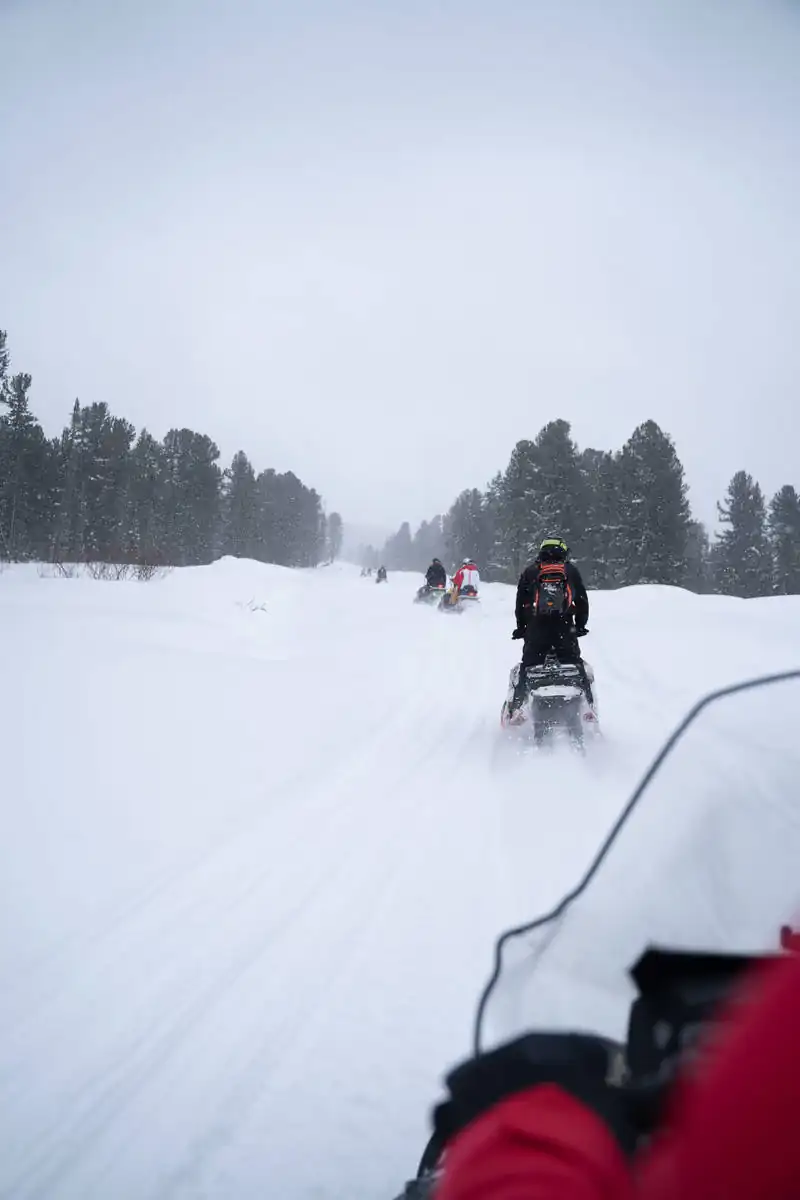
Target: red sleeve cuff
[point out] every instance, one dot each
(541, 1144)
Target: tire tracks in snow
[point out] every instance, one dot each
(134, 1061)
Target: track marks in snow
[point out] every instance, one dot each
(234, 930)
(267, 1002)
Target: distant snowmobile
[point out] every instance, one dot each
(556, 703)
(428, 594)
(381, 575)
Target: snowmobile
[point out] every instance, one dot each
(695, 882)
(451, 601)
(456, 600)
(556, 703)
(429, 594)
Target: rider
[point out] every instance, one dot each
(538, 1118)
(546, 632)
(436, 576)
(381, 575)
(466, 578)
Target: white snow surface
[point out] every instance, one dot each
(257, 843)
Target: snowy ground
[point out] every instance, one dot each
(257, 841)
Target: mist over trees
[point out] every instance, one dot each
(625, 515)
(100, 492)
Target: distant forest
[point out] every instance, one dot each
(625, 515)
(101, 493)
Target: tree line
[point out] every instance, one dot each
(625, 515)
(103, 493)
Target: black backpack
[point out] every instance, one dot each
(552, 596)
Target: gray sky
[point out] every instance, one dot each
(378, 243)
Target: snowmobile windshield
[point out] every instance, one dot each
(705, 858)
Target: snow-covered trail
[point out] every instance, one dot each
(258, 843)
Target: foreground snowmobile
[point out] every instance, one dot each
(429, 594)
(696, 881)
(556, 703)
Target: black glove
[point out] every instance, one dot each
(518, 633)
(581, 631)
(579, 1063)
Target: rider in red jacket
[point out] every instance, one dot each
(536, 1120)
(467, 577)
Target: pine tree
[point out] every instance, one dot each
(556, 491)
(601, 551)
(291, 525)
(5, 361)
(240, 509)
(654, 510)
(107, 525)
(192, 497)
(428, 542)
(517, 526)
(699, 568)
(320, 543)
(147, 501)
(784, 529)
(28, 472)
(335, 536)
(499, 565)
(540, 494)
(469, 529)
(398, 553)
(96, 471)
(742, 555)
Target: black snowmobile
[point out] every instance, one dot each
(556, 703)
(429, 594)
(696, 881)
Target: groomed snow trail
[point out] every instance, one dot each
(258, 840)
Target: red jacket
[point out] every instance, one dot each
(465, 571)
(732, 1133)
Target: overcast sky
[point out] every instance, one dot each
(378, 243)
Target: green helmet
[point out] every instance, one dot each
(553, 549)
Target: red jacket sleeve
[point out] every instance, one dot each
(731, 1133)
(458, 578)
(537, 1145)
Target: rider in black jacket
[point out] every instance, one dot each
(550, 634)
(436, 576)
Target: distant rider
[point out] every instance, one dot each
(466, 579)
(435, 580)
(552, 612)
(436, 576)
(381, 575)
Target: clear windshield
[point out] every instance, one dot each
(709, 859)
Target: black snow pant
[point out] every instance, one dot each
(550, 635)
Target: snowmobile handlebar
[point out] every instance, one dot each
(679, 997)
(680, 994)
